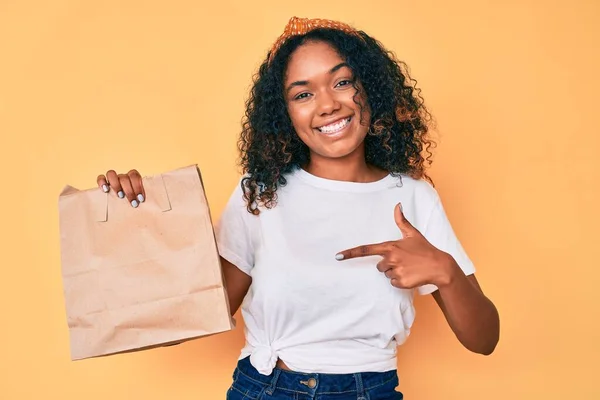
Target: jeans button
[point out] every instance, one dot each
(312, 383)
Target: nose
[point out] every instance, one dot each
(327, 103)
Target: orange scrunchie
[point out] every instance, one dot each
(301, 26)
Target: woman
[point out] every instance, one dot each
(334, 225)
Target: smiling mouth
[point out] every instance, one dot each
(335, 127)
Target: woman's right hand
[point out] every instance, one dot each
(127, 186)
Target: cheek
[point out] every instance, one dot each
(301, 118)
(363, 107)
(366, 119)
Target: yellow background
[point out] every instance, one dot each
(86, 86)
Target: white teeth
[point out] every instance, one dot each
(332, 128)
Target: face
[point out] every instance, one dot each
(320, 100)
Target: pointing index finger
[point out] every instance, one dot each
(378, 249)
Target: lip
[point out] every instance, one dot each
(333, 121)
(339, 133)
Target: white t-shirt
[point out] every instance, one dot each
(316, 313)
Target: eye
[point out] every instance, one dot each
(301, 96)
(344, 82)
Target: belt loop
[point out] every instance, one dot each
(360, 390)
(271, 388)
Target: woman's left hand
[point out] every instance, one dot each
(409, 262)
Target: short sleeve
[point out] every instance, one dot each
(439, 232)
(233, 232)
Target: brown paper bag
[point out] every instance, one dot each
(138, 278)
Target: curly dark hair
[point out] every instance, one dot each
(398, 140)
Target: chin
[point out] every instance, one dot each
(339, 150)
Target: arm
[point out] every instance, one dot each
(413, 261)
(237, 284)
(471, 315)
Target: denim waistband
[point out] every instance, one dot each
(316, 383)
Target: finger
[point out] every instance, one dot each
(378, 249)
(128, 189)
(102, 183)
(115, 184)
(138, 187)
(390, 274)
(405, 227)
(401, 282)
(383, 265)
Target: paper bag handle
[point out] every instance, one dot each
(155, 189)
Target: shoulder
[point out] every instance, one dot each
(237, 192)
(420, 189)
(248, 189)
(237, 203)
(245, 185)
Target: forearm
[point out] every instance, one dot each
(471, 315)
(237, 284)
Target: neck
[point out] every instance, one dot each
(351, 168)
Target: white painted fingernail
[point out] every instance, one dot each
(105, 188)
(134, 203)
(140, 197)
(121, 194)
(339, 256)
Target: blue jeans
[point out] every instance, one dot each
(249, 384)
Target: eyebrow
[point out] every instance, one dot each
(304, 83)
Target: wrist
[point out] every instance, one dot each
(448, 271)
